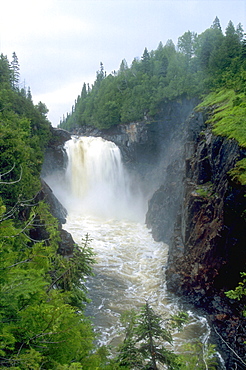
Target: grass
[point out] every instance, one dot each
(229, 114)
(205, 190)
(238, 173)
(228, 119)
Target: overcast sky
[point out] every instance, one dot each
(60, 43)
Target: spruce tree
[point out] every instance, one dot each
(147, 336)
(15, 68)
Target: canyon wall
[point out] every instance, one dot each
(207, 246)
(194, 206)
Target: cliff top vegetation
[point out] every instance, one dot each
(198, 65)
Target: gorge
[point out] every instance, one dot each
(148, 170)
(181, 167)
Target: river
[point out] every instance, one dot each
(104, 202)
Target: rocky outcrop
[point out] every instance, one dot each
(165, 203)
(56, 208)
(207, 250)
(66, 244)
(211, 228)
(145, 139)
(55, 158)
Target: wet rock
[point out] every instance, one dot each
(56, 208)
(207, 246)
(66, 244)
(55, 158)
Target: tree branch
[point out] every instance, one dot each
(240, 359)
(11, 182)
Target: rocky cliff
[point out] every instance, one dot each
(55, 160)
(207, 249)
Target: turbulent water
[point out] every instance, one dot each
(102, 201)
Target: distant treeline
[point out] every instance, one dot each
(199, 64)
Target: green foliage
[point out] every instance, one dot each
(238, 173)
(148, 338)
(200, 63)
(239, 292)
(147, 343)
(205, 190)
(24, 133)
(42, 294)
(145, 335)
(197, 356)
(19, 162)
(70, 274)
(38, 323)
(228, 118)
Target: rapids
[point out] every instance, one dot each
(103, 201)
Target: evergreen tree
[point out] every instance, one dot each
(216, 24)
(232, 41)
(84, 91)
(243, 50)
(29, 94)
(100, 75)
(186, 43)
(207, 46)
(240, 32)
(145, 61)
(5, 72)
(15, 69)
(123, 66)
(146, 333)
(202, 62)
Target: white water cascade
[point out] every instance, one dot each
(97, 181)
(102, 201)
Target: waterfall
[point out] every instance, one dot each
(97, 182)
(104, 201)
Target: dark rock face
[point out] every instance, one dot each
(164, 206)
(66, 245)
(56, 208)
(210, 226)
(207, 251)
(55, 158)
(144, 140)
